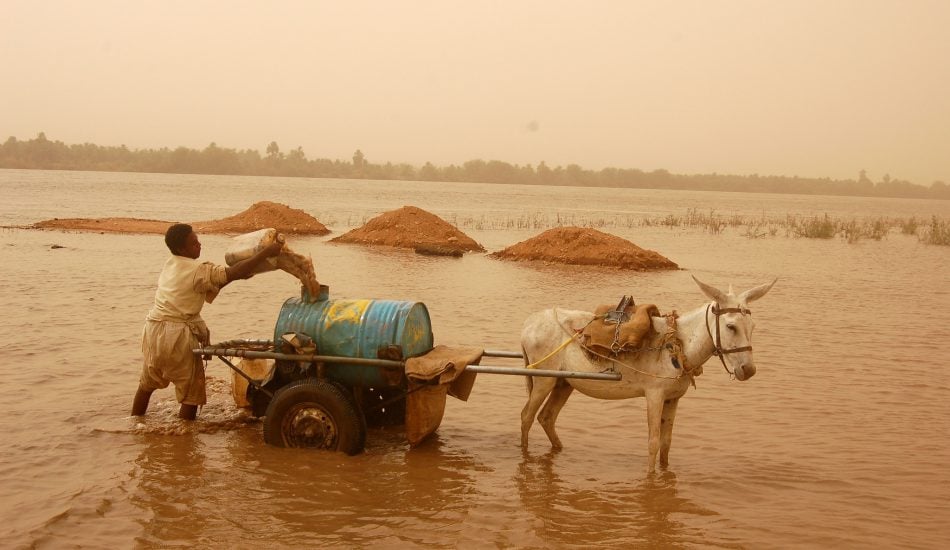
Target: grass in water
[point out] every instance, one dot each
(938, 232)
(815, 228)
(909, 226)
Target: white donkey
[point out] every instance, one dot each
(722, 328)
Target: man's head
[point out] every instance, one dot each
(182, 241)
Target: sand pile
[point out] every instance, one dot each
(411, 227)
(104, 225)
(262, 214)
(581, 246)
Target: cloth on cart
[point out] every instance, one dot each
(431, 377)
(446, 365)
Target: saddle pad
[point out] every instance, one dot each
(631, 334)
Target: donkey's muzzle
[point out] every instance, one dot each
(744, 372)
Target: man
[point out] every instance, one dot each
(174, 327)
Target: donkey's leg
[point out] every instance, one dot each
(666, 429)
(540, 388)
(654, 417)
(554, 404)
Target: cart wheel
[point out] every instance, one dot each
(315, 414)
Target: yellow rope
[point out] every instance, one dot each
(553, 353)
(634, 369)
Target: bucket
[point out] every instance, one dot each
(359, 328)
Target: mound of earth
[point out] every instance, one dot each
(262, 214)
(411, 227)
(104, 225)
(582, 246)
(281, 217)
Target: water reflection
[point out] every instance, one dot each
(390, 492)
(641, 513)
(171, 471)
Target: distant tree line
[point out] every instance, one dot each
(42, 154)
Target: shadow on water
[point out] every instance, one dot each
(647, 512)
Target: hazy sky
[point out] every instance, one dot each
(795, 87)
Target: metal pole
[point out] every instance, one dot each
(234, 352)
(509, 354)
(487, 369)
(243, 342)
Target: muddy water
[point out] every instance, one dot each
(839, 440)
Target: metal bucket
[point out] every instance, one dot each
(359, 328)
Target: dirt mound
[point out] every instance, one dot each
(411, 227)
(105, 225)
(281, 217)
(285, 219)
(581, 246)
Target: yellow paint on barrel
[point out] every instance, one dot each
(346, 311)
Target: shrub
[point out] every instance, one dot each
(938, 232)
(815, 228)
(909, 226)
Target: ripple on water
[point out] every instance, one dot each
(837, 441)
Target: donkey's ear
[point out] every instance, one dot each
(754, 294)
(710, 291)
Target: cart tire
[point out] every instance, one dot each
(314, 414)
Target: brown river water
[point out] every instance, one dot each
(840, 440)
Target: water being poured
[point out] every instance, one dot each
(247, 245)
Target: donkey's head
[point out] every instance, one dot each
(729, 325)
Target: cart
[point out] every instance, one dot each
(336, 367)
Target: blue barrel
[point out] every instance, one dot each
(359, 328)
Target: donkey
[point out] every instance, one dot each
(722, 328)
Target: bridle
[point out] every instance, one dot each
(717, 341)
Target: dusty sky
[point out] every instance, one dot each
(806, 87)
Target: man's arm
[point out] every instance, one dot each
(245, 268)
